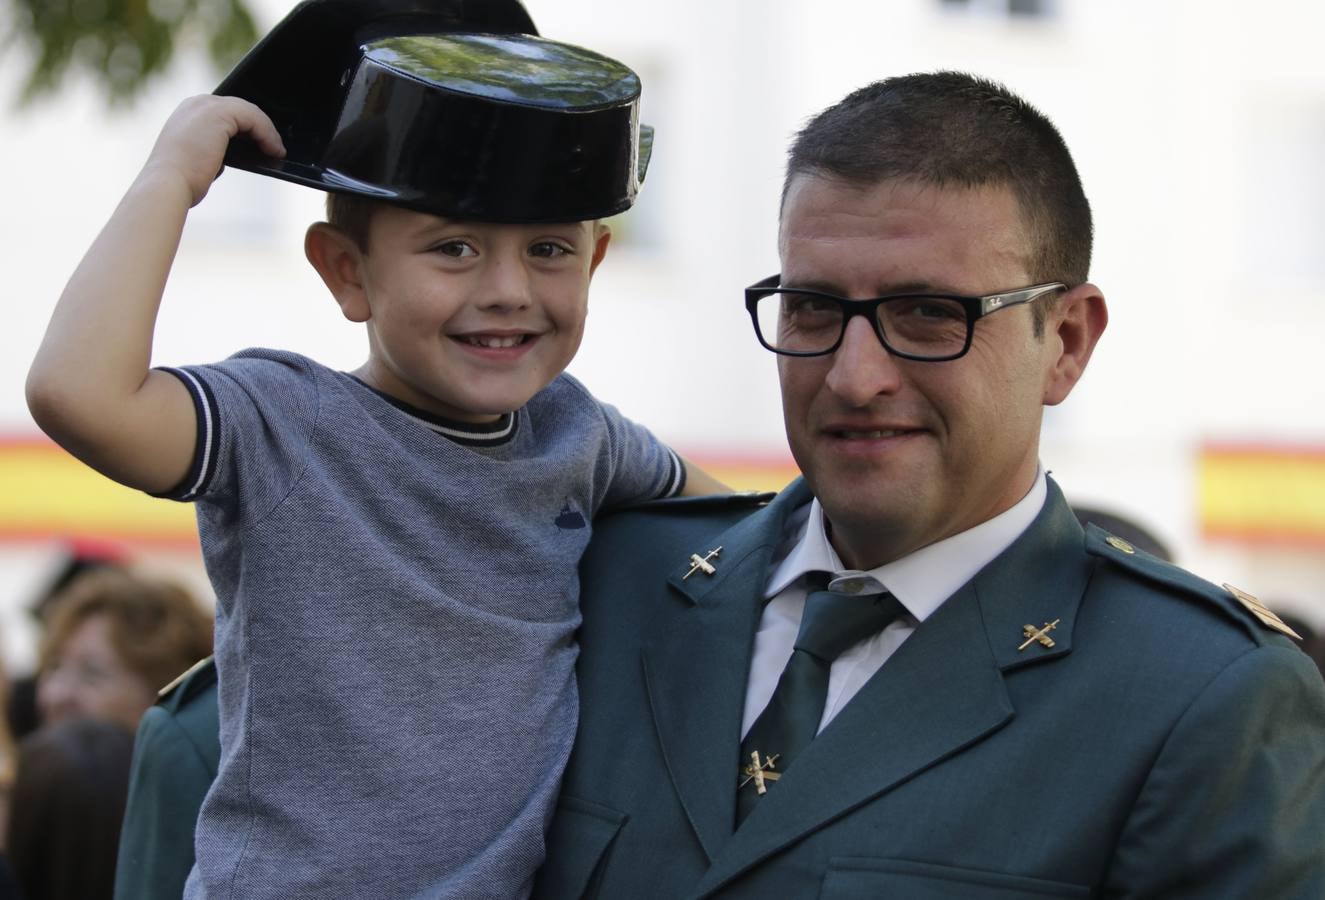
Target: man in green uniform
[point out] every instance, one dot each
(913, 674)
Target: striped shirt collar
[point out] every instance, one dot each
(474, 434)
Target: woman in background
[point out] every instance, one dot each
(114, 639)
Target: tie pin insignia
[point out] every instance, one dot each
(1040, 634)
(702, 565)
(759, 771)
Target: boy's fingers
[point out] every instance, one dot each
(263, 133)
(272, 145)
(254, 123)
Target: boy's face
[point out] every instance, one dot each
(468, 320)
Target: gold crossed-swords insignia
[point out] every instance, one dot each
(1040, 634)
(759, 771)
(702, 565)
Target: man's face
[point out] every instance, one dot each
(470, 319)
(902, 453)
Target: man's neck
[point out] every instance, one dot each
(921, 579)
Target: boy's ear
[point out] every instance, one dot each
(339, 261)
(602, 236)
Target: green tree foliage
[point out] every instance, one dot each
(122, 44)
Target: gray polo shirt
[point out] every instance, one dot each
(396, 612)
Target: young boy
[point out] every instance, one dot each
(393, 550)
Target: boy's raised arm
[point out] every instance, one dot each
(91, 387)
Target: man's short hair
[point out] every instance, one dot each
(950, 129)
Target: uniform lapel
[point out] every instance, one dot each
(940, 693)
(1040, 580)
(697, 663)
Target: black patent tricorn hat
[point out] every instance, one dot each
(454, 107)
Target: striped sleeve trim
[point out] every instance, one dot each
(676, 481)
(207, 443)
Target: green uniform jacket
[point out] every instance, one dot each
(174, 762)
(1167, 745)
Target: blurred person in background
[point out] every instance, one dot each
(175, 757)
(75, 558)
(7, 752)
(68, 801)
(8, 764)
(114, 638)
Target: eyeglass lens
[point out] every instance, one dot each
(918, 325)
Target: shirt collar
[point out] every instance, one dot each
(472, 434)
(922, 580)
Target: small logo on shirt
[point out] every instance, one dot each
(569, 518)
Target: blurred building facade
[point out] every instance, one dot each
(1198, 127)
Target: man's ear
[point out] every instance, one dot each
(602, 236)
(340, 262)
(1072, 329)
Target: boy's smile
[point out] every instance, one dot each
(497, 342)
(467, 320)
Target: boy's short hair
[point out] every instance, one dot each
(351, 214)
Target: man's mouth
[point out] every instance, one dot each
(870, 434)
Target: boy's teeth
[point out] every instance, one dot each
(495, 342)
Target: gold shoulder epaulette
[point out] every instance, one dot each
(1261, 611)
(179, 679)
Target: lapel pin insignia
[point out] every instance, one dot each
(759, 771)
(1040, 634)
(702, 565)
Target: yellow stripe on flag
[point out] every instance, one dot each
(45, 492)
(1263, 495)
(748, 473)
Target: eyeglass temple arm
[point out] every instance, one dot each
(1010, 298)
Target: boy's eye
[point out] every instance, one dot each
(456, 249)
(549, 249)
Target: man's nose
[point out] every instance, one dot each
(862, 367)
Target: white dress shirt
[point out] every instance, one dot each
(920, 581)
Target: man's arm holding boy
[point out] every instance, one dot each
(91, 387)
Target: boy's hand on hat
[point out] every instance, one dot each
(194, 139)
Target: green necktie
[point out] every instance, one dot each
(831, 623)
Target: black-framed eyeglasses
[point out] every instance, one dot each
(925, 327)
